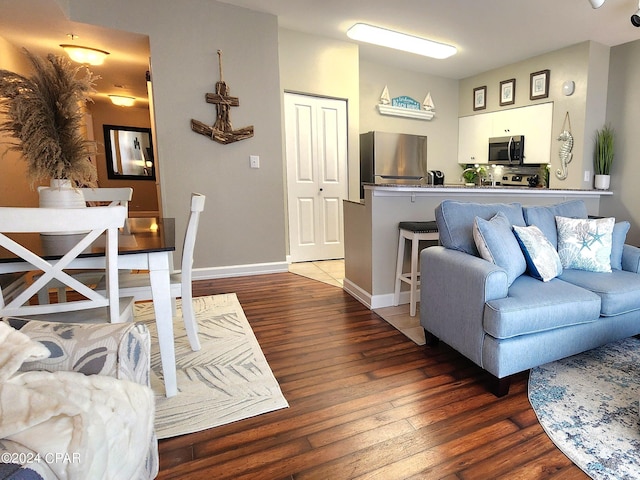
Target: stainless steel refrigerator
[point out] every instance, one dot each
(392, 158)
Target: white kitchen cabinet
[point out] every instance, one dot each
(473, 135)
(537, 141)
(534, 122)
(508, 122)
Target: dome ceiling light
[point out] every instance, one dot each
(86, 55)
(122, 101)
(635, 17)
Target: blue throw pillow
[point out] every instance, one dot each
(455, 221)
(542, 259)
(545, 217)
(585, 244)
(495, 242)
(619, 236)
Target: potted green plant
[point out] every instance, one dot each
(473, 174)
(603, 157)
(44, 113)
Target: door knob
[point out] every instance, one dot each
(321, 189)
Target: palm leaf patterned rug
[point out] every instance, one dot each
(227, 380)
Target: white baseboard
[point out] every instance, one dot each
(239, 270)
(372, 301)
(356, 292)
(381, 301)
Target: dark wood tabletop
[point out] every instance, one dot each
(146, 235)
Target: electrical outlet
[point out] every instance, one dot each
(587, 175)
(254, 161)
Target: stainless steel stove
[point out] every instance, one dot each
(520, 177)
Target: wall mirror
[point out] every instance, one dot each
(129, 153)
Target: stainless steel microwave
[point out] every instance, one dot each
(506, 150)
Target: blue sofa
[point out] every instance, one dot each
(508, 322)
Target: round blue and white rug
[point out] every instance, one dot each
(588, 405)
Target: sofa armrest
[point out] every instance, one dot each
(119, 350)
(454, 287)
(631, 258)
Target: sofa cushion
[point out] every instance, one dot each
(585, 244)
(496, 243)
(618, 238)
(542, 259)
(618, 290)
(533, 306)
(545, 217)
(455, 221)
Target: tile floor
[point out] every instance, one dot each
(327, 271)
(332, 272)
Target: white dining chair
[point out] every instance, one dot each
(50, 255)
(112, 196)
(94, 197)
(138, 285)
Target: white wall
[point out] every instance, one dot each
(326, 67)
(243, 221)
(441, 131)
(624, 115)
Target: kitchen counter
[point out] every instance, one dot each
(477, 189)
(371, 226)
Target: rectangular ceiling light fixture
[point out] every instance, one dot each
(400, 41)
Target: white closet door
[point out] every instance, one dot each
(316, 151)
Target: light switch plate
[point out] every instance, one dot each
(254, 161)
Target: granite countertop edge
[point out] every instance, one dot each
(497, 188)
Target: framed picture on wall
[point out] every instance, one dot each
(508, 92)
(539, 85)
(480, 98)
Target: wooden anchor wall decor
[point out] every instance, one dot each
(222, 131)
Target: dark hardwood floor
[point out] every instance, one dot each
(365, 402)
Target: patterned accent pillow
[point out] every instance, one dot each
(585, 244)
(120, 350)
(495, 241)
(542, 259)
(13, 471)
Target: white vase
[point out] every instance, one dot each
(60, 194)
(601, 182)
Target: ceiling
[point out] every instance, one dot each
(40, 26)
(487, 33)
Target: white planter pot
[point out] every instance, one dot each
(601, 182)
(60, 194)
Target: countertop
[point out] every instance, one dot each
(485, 189)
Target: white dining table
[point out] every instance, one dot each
(148, 245)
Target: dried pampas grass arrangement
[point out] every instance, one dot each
(44, 112)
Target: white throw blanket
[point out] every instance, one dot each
(75, 426)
